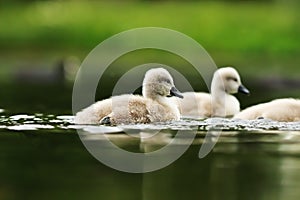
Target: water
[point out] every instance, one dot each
(43, 158)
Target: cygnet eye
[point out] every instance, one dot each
(166, 80)
(232, 78)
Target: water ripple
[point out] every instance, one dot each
(42, 121)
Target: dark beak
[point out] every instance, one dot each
(175, 92)
(243, 89)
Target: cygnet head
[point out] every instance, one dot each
(228, 79)
(159, 83)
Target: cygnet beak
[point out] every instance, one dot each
(243, 89)
(175, 92)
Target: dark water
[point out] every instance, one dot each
(42, 156)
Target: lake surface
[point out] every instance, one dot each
(43, 157)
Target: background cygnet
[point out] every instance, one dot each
(153, 106)
(220, 103)
(283, 110)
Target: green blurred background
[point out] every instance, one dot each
(42, 43)
(260, 38)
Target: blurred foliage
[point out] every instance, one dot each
(260, 36)
(247, 27)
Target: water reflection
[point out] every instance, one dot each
(245, 165)
(231, 171)
(289, 183)
(44, 158)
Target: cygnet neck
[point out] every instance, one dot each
(218, 90)
(153, 96)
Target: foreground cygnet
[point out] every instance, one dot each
(283, 110)
(220, 103)
(153, 106)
